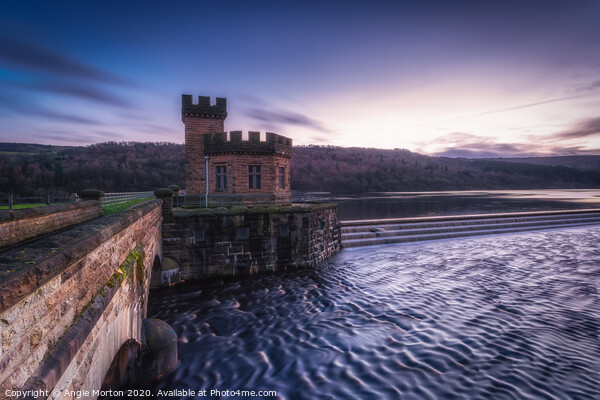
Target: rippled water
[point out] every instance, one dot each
(497, 317)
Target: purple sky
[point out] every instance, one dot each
(458, 78)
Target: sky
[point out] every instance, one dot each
(448, 78)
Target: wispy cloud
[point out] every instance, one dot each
(285, 117)
(519, 107)
(64, 117)
(587, 128)
(592, 86)
(77, 137)
(72, 89)
(15, 104)
(156, 129)
(23, 54)
(460, 144)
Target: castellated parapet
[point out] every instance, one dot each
(274, 145)
(203, 108)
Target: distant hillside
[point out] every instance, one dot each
(113, 167)
(31, 169)
(584, 163)
(356, 170)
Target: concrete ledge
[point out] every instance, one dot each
(240, 210)
(20, 225)
(24, 270)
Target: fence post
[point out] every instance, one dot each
(10, 201)
(48, 200)
(166, 195)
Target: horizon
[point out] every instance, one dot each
(133, 142)
(459, 80)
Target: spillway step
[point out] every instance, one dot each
(410, 224)
(377, 232)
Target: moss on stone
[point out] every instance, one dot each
(239, 210)
(221, 211)
(258, 210)
(169, 264)
(139, 268)
(91, 194)
(163, 192)
(219, 273)
(322, 206)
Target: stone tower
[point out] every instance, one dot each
(239, 171)
(199, 119)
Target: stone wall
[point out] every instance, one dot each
(19, 225)
(47, 286)
(242, 241)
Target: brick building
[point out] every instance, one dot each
(239, 171)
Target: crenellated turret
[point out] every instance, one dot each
(203, 109)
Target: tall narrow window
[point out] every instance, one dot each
(221, 177)
(281, 177)
(254, 177)
(244, 232)
(199, 235)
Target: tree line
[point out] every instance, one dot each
(28, 170)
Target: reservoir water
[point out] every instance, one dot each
(513, 316)
(426, 204)
(498, 317)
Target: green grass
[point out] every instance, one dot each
(266, 209)
(19, 206)
(115, 208)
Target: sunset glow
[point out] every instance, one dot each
(464, 78)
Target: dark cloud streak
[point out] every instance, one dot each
(590, 127)
(85, 92)
(62, 117)
(28, 109)
(23, 54)
(466, 145)
(285, 117)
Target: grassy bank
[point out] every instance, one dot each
(20, 206)
(117, 207)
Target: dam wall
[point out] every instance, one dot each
(237, 241)
(69, 300)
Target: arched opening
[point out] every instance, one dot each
(122, 368)
(156, 272)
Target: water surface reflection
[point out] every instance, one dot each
(421, 204)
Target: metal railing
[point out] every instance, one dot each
(12, 201)
(214, 200)
(113, 198)
(311, 197)
(228, 200)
